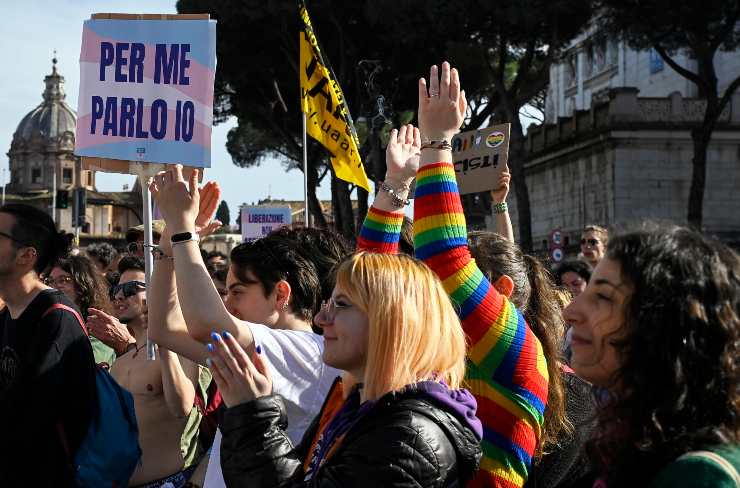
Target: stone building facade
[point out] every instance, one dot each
(593, 64)
(626, 160)
(42, 160)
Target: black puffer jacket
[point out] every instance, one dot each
(404, 440)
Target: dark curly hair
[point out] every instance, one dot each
(91, 287)
(102, 253)
(326, 249)
(679, 381)
(535, 296)
(580, 268)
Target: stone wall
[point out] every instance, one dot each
(629, 160)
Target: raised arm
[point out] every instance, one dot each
(507, 371)
(202, 307)
(500, 210)
(382, 226)
(166, 322)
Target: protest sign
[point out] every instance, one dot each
(480, 156)
(146, 90)
(258, 221)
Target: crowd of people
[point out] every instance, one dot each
(423, 356)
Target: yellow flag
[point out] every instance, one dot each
(327, 117)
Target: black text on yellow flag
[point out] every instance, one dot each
(327, 117)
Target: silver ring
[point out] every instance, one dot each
(431, 95)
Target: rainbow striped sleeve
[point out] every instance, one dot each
(507, 371)
(380, 231)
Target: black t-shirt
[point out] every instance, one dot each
(47, 379)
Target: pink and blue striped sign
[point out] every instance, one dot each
(146, 90)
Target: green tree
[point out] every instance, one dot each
(504, 51)
(223, 214)
(378, 51)
(701, 29)
(518, 41)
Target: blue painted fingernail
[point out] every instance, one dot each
(226, 335)
(209, 363)
(210, 347)
(215, 336)
(258, 349)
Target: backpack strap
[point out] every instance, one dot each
(60, 426)
(723, 463)
(61, 306)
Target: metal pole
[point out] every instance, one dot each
(54, 197)
(4, 186)
(305, 173)
(151, 351)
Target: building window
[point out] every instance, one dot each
(656, 62)
(599, 56)
(67, 176)
(571, 70)
(588, 63)
(36, 175)
(613, 53)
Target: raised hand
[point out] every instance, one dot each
(402, 154)
(442, 105)
(499, 194)
(178, 201)
(239, 379)
(210, 197)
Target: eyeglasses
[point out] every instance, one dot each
(8, 236)
(330, 307)
(590, 242)
(57, 282)
(129, 289)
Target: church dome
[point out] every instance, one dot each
(51, 123)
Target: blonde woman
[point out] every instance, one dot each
(390, 326)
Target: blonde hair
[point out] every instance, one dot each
(414, 333)
(599, 231)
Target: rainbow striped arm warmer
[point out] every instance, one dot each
(507, 371)
(380, 231)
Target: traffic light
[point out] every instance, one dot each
(80, 205)
(62, 199)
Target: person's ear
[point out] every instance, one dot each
(26, 256)
(282, 295)
(504, 285)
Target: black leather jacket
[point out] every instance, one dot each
(403, 441)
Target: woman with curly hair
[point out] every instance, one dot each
(78, 278)
(659, 327)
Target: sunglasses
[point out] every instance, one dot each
(590, 242)
(129, 289)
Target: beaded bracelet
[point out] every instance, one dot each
(398, 202)
(500, 208)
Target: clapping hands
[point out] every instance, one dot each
(239, 378)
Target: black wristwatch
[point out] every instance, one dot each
(184, 237)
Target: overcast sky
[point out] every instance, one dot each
(30, 33)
